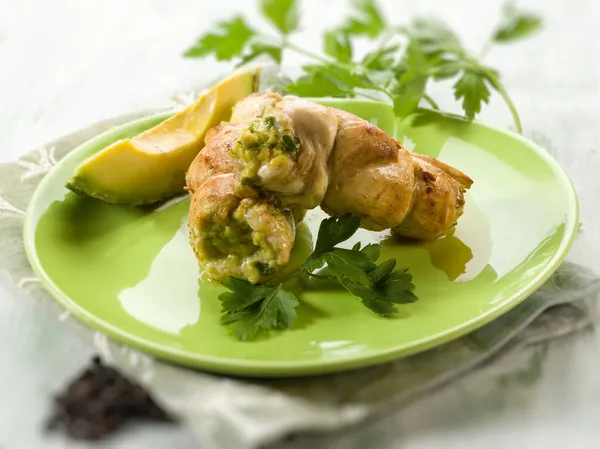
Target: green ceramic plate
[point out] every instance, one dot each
(130, 273)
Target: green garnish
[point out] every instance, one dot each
(227, 41)
(398, 68)
(252, 310)
(379, 286)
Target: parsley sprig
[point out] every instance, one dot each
(254, 310)
(403, 61)
(380, 286)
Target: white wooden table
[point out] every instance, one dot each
(67, 63)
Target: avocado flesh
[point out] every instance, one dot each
(151, 166)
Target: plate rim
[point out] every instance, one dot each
(250, 368)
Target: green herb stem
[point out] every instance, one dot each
(386, 36)
(511, 106)
(309, 54)
(370, 97)
(431, 101)
(486, 49)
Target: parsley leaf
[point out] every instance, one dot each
(258, 48)
(446, 68)
(328, 80)
(433, 36)
(379, 286)
(343, 264)
(282, 13)
(382, 271)
(228, 41)
(380, 59)
(334, 230)
(411, 80)
(516, 24)
(318, 84)
(408, 94)
(372, 251)
(393, 287)
(253, 310)
(472, 89)
(337, 45)
(366, 21)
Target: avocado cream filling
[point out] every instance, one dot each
(267, 142)
(234, 248)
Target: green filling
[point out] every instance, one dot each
(266, 141)
(235, 247)
(264, 268)
(232, 238)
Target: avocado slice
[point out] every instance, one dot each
(151, 166)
